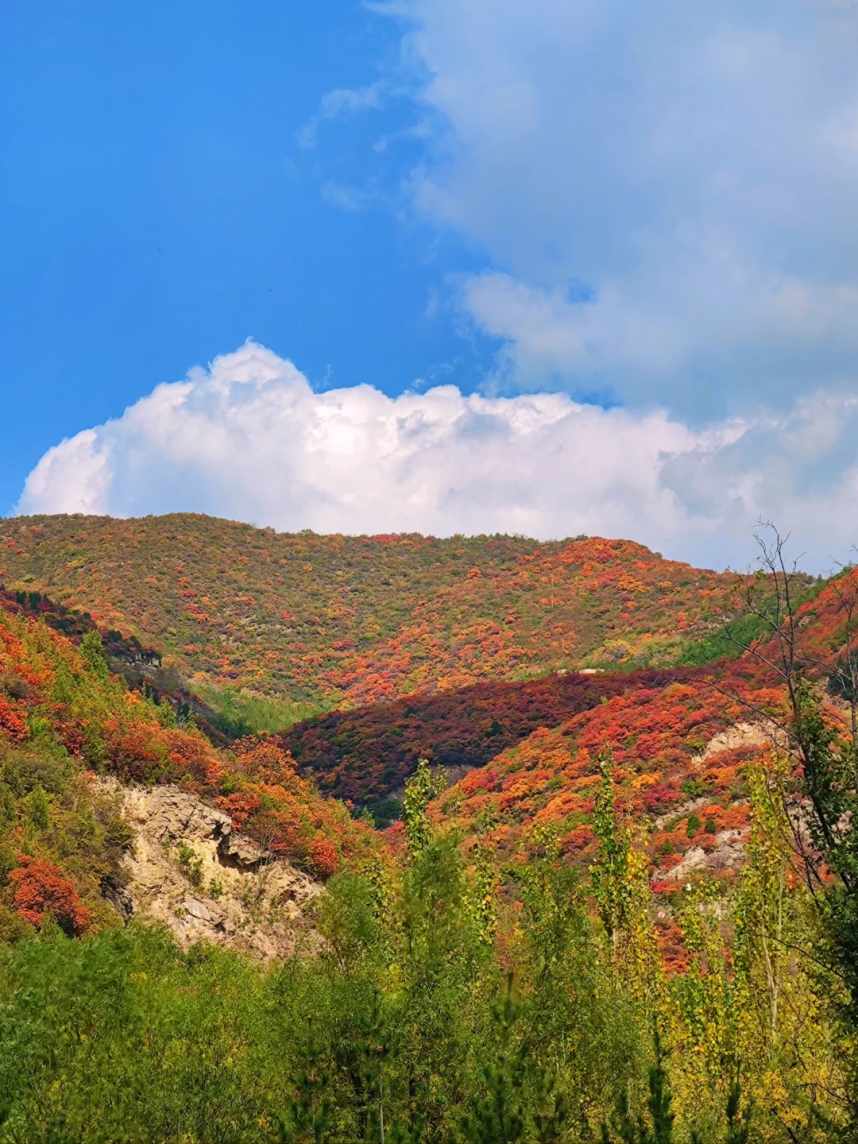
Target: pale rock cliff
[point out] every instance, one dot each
(189, 869)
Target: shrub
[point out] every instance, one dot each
(40, 888)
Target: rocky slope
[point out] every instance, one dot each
(189, 869)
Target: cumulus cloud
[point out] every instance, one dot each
(249, 438)
(693, 166)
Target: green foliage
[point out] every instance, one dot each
(420, 789)
(738, 1122)
(727, 640)
(497, 1114)
(610, 873)
(12, 926)
(693, 787)
(92, 650)
(384, 813)
(190, 863)
(38, 811)
(657, 1127)
(237, 712)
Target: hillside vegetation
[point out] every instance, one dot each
(632, 920)
(327, 620)
(366, 753)
(65, 719)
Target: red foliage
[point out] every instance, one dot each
(11, 721)
(324, 857)
(660, 733)
(101, 722)
(239, 807)
(661, 796)
(366, 618)
(136, 750)
(366, 753)
(40, 888)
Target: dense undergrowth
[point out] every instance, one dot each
(452, 1002)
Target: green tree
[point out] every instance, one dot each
(420, 789)
(38, 809)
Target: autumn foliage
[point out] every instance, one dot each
(338, 619)
(365, 753)
(39, 889)
(58, 702)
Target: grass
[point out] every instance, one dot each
(240, 712)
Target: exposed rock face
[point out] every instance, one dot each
(729, 854)
(729, 851)
(739, 735)
(190, 870)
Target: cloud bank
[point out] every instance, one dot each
(250, 439)
(664, 193)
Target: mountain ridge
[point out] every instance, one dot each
(342, 621)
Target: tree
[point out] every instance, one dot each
(818, 790)
(657, 1128)
(497, 1115)
(420, 789)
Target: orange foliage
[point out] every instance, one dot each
(40, 888)
(100, 723)
(357, 619)
(658, 735)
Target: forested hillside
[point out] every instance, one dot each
(366, 753)
(63, 718)
(339, 619)
(631, 919)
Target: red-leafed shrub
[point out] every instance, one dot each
(135, 753)
(10, 721)
(40, 888)
(193, 755)
(324, 857)
(239, 806)
(662, 795)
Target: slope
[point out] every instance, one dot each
(680, 747)
(346, 620)
(366, 753)
(64, 718)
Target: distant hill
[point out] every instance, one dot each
(325, 621)
(680, 742)
(366, 754)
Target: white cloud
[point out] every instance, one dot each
(342, 103)
(248, 438)
(695, 165)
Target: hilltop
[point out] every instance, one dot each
(327, 621)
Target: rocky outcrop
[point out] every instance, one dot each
(738, 735)
(728, 854)
(189, 869)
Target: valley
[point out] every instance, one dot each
(404, 788)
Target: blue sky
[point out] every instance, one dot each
(621, 240)
(157, 210)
